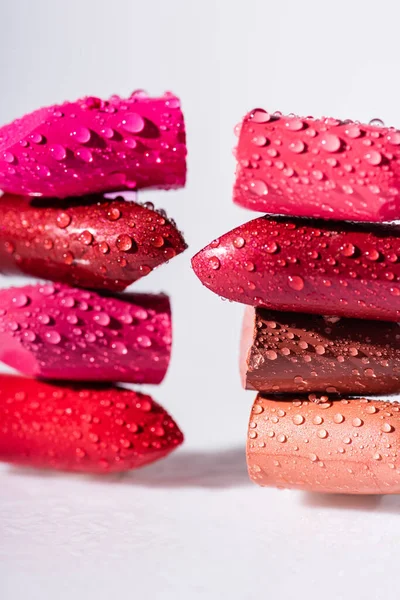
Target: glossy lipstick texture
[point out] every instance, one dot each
(92, 146)
(88, 242)
(53, 331)
(302, 265)
(348, 446)
(296, 353)
(318, 168)
(83, 428)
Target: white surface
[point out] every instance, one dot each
(193, 526)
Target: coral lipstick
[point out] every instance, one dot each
(350, 446)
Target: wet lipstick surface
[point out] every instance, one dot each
(301, 265)
(56, 223)
(89, 242)
(348, 446)
(318, 168)
(60, 332)
(81, 427)
(293, 353)
(93, 145)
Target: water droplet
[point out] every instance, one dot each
(271, 247)
(107, 132)
(357, 422)
(318, 175)
(317, 420)
(298, 419)
(144, 270)
(214, 262)
(373, 157)
(48, 244)
(281, 438)
(81, 135)
(394, 138)
(372, 254)
(113, 213)
(353, 131)
(271, 355)
(119, 348)
(144, 341)
(347, 189)
(58, 152)
(386, 428)
(86, 238)
(377, 456)
(376, 123)
(68, 302)
(313, 457)
(68, 258)
(296, 282)
(258, 115)
(157, 242)
(239, 242)
(259, 140)
(347, 250)
(104, 247)
(29, 336)
(338, 418)
(8, 157)
(36, 138)
(44, 319)
(47, 290)
(84, 154)
(330, 142)
(259, 187)
(63, 220)
(133, 123)
(294, 124)
(20, 300)
(249, 266)
(319, 349)
(53, 337)
(102, 319)
(297, 147)
(124, 242)
(73, 319)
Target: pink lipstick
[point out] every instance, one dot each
(93, 146)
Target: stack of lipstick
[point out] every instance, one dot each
(322, 328)
(55, 165)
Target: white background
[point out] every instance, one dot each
(194, 526)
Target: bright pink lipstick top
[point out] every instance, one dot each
(318, 168)
(94, 145)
